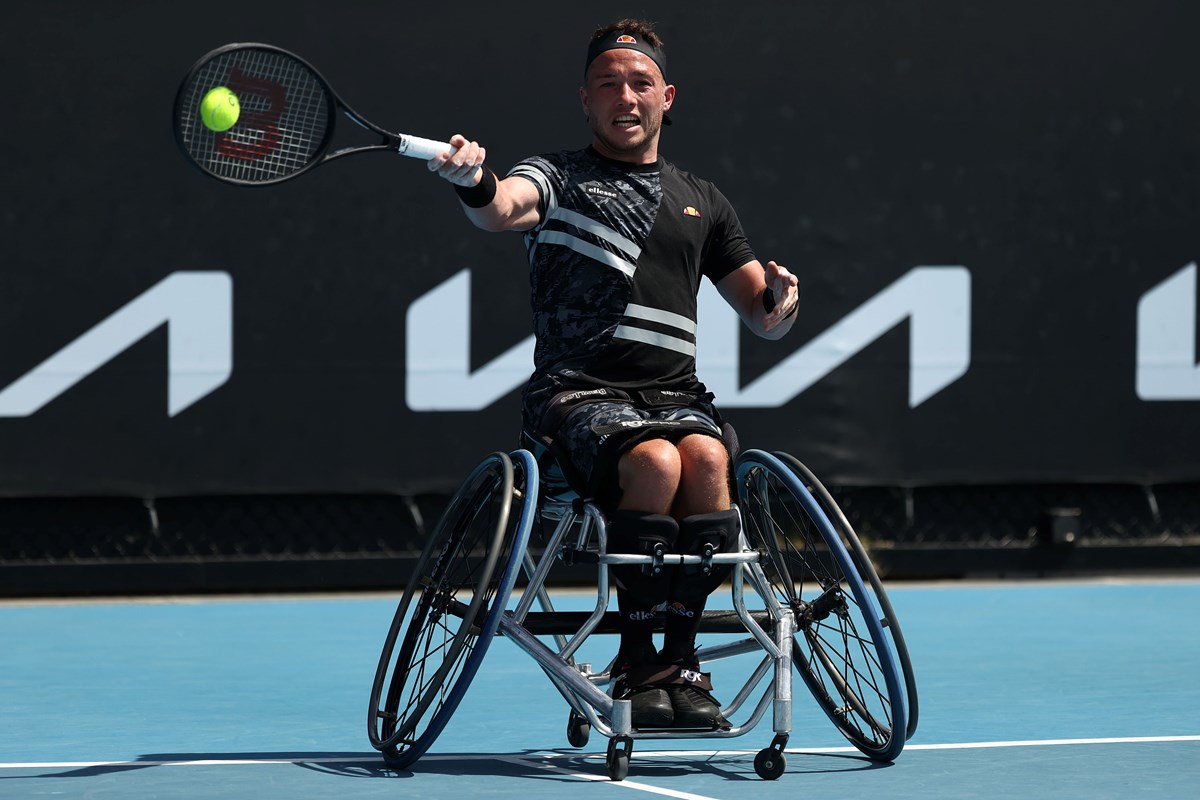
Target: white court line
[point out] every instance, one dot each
(530, 761)
(539, 759)
(943, 746)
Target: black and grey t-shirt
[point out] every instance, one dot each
(615, 267)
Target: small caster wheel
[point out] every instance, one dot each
(769, 763)
(618, 757)
(578, 730)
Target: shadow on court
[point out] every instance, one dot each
(568, 766)
(555, 766)
(366, 762)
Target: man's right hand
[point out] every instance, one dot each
(461, 165)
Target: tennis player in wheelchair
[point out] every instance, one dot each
(618, 240)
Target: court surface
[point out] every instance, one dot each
(1029, 690)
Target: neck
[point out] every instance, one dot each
(645, 154)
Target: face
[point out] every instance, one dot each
(624, 98)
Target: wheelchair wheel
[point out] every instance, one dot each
(451, 607)
(863, 562)
(840, 649)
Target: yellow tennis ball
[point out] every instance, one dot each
(219, 109)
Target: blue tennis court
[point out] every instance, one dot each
(1028, 689)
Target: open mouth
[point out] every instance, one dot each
(627, 121)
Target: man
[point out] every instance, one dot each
(618, 241)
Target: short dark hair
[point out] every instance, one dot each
(633, 34)
(644, 29)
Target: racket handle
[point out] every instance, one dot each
(424, 149)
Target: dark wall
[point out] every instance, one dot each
(1044, 156)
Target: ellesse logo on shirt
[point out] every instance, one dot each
(598, 190)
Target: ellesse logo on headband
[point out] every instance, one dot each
(625, 38)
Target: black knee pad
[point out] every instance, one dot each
(716, 532)
(639, 533)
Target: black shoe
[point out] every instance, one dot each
(649, 706)
(696, 708)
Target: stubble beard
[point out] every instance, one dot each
(639, 146)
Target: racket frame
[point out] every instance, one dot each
(400, 143)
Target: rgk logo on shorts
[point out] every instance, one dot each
(691, 675)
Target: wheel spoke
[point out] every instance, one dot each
(839, 648)
(462, 579)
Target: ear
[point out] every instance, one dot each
(668, 97)
(583, 101)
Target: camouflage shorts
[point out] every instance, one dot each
(595, 435)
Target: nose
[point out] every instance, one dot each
(627, 93)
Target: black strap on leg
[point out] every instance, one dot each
(639, 533)
(705, 535)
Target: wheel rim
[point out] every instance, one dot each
(859, 554)
(840, 650)
(456, 584)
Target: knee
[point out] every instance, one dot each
(651, 463)
(703, 455)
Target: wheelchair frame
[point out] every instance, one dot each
(825, 614)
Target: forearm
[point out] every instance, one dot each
(766, 298)
(492, 204)
(771, 319)
(478, 200)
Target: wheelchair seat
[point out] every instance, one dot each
(558, 483)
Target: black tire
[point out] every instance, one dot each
(769, 763)
(451, 608)
(619, 749)
(578, 729)
(863, 561)
(840, 648)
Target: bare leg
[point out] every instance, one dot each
(649, 475)
(704, 476)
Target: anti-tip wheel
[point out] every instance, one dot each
(578, 730)
(769, 763)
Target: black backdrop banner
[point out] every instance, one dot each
(992, 208)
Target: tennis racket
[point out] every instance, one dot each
(286, 122)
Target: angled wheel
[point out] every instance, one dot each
(578, 729)
(840, 649)
(451, 607)
(863, 562)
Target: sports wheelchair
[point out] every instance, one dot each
(825, 613)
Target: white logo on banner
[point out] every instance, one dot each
(935, 300)
(1166, 340)
(196, 307)
(437, 357)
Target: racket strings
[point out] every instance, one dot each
(284, 121)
